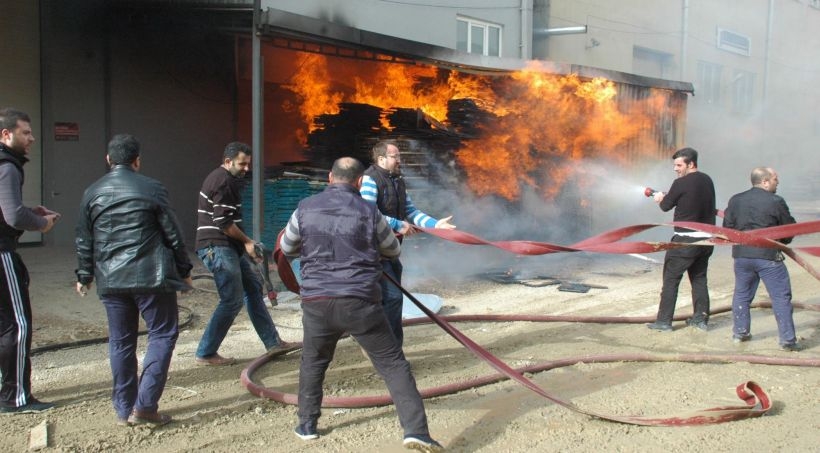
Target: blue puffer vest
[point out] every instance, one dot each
(340, 256)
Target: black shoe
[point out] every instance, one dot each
(33, 406)
(740, 338)
(422, 442)
(699, 324)
(661, 326)
(791, 347)
(306, 431)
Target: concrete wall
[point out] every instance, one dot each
(162, 79)
(417, 22)
(20, 88)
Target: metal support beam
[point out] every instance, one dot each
(258, 158)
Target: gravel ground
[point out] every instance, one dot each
(214, 412)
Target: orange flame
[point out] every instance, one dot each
(545, 123)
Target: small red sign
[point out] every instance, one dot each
(66, 131)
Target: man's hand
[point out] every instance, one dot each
(44, 211)
(658, 197)
(250, 248)
(408, 229)
(82, 290)
(190, 282)
(50, 219)
(445, 224)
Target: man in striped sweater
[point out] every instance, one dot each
(227, 252)
(384, 186)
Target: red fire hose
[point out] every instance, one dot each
(757, 401)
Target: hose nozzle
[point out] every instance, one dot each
(650, 192)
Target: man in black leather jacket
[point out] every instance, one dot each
(753, 209)
(129, 241)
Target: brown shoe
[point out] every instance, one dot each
(215, 360)
(150, 418)
(283, 346)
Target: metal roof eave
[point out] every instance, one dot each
(283, 23)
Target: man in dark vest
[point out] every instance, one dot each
(340, 239)
(384, 186)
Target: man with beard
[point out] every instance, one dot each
(16, 139)
(227, 252)
(384, 186)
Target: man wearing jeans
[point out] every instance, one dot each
(340, 238)
(129, 241)
(383, 185)
(227, 252)
(753, 209)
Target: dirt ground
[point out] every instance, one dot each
(214, 412)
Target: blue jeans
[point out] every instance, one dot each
(236, 282)
(392, 298)
(162, 320)
(748, 273)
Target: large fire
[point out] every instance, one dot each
(543, 125)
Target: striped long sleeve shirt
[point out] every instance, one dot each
(370, 192)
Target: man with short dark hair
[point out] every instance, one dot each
(16, 139)
(383, 185)
(340, 238)
(129, 241)
(753, 209)
(693, 196)
(227, 252)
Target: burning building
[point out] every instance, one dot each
(530, 127)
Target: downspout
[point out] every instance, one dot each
(526, 32)
(684, 33)
(258, 164)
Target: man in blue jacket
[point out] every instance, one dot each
(129, 241)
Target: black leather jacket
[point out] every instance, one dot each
(128, 237)
(754, 209)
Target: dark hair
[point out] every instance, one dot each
(380, 149)
(347, 169)
(688, 155)
(9, 118)
(233, 149)
(123, 149)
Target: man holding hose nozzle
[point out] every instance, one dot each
(226, 251)
(340, 238)
(693, 196)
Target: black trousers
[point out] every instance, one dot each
(15, 331)
(694, 261)
(324, 322)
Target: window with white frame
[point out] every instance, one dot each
(708, 82)
(475, 36)
(743, 90)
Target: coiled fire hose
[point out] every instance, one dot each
(756, 400)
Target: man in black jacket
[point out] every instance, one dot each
(693, 196)
(753, 209)
(129, 240)
(15, 306)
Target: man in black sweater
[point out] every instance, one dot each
(693, 196)
(753, 209)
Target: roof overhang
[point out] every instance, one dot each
(278, 23)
